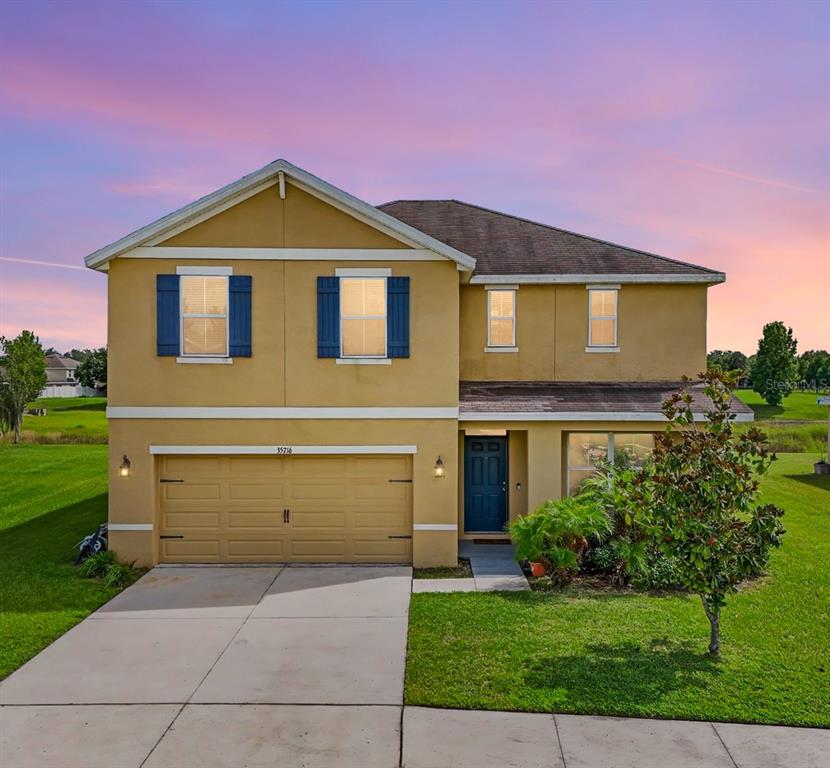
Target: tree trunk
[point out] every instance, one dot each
(714, 627)
(17, 419)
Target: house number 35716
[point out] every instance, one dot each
(284, 450)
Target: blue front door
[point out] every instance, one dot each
(485, 484)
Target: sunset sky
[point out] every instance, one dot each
(699, 131)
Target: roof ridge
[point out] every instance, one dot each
(556, 229)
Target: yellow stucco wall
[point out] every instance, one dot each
(284, 369)
(661, 333)
(267, 221)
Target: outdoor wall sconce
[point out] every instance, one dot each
(124, 469)
(439, 467)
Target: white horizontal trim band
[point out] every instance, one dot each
(242, 412)
(279, 450)
(204, 271)
(501, 349)
(363, 272)
(130, 526)
(577, 416)
(602, 349)
(363, 361)
(507, 287)
(435, 527)
(579, 279)
(206, 360)
(283, 254)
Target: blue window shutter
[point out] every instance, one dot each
(328, 317)
(167, 315)
(239, 315)
(397, 317)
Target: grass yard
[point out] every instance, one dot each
(51, 496)
(626, 653)
(797, 406)
(67, 420)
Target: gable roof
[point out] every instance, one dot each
(508, 247)
(254, 182)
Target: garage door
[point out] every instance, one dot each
(285, 509)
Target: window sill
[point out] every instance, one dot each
(205, 360)
(363, 361)
(602, 349)
(501, 349)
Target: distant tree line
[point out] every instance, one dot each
(776, 368)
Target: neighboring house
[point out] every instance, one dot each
(60, 378)
(295, 375)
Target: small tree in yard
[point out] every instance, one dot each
(92, 372)
(702, 498)
(23, 377)
(775, 367)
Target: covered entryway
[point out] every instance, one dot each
(352, 509)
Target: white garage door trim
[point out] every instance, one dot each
(279, 450)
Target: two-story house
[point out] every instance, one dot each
(296, 375)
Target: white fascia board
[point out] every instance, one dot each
(178, 253)
(279, 450)
(577, 416)
(261, 179)
(582, 279)
(243, 412)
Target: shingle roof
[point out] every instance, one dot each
(509, 245)
(578, 397)
(59, 361)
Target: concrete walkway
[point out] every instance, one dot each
(303, 666)
(494, 569)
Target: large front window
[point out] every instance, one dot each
(363, 316)
(588, 450)
(204, 315)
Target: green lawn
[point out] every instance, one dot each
(68, 420)
(624, 653)
(797, 406)
(51, 496)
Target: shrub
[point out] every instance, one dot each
(119, 575)
(97, 565)
(660, 572)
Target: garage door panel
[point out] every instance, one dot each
(272, 491)
(319, 549)
(192, 490)
(386, 550)
(256, 549)
(191, 519)
(309, 519)
(194, 550)
(192, 465)
(255, 519)
(232, 509)
(307, 490)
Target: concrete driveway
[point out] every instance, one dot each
(303, 666)
(221, 667)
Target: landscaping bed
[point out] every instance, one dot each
(51, 496)
(461, 571)
(585, 650)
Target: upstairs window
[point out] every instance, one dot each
(602, 317)
(363, 316)
(501, 318)
(204, 315)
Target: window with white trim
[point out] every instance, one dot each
(602, 317)
(501, 318)
(204, 315)
(589, 450)
(363, 317)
